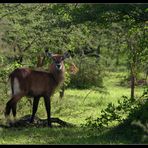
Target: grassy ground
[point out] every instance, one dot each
(75, 107)
(63, 136)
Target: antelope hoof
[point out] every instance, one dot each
(31, 120)
(49, 125)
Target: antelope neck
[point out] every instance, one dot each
(56, 76)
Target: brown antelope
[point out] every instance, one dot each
(36, 84)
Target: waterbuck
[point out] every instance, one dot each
(36, 84)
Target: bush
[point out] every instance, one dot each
(89, 74)
(127, 111)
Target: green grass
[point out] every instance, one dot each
(61, 136)
(75, 107)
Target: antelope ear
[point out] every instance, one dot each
(67, 54)
(49, 54)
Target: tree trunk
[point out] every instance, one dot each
(133, 76)
(132, 86)
(133, 57)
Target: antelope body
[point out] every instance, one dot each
(36, 84)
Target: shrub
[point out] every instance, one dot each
(127, 111)
(89, 74)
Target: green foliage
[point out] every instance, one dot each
(80, 28)
(89, 73)
(103, 38)
(139, 113)
(126, 111)
(5, 71)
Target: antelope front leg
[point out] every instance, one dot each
(35, 107)
(48, 109)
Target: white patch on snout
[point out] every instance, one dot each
(59, 68)
(16, 86)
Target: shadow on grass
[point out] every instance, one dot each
(77, 135)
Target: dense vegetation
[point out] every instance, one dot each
(108, 44)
